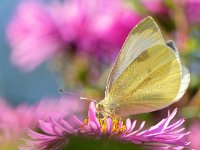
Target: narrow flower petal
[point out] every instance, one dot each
(34, 135)
(109, 125)
(46, 127)
(92, 115)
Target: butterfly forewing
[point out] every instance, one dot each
(146, 34)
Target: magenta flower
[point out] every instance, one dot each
(56, 133)
(14, 121)
(97, 27)
(194, 136)
(157, 7)
(33, 35)
(192, 10)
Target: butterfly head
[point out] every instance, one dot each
(103, 108)
(99, 107)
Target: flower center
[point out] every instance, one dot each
(116, 125)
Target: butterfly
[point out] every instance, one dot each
(147, 74)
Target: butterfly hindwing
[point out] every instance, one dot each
(149, 83)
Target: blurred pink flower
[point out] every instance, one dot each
(33, 35)
(194, 135)
(192, 10)
(157, 7)
(98, 27)
(13, 121)
(56, 133)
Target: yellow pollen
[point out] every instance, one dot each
(117, 126)
(86, 120)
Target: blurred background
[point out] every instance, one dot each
(48, 45)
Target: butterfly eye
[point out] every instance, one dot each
(99, 107)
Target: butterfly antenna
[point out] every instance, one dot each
(66, 92)
(84, 98)
(81, 98)
(57, 102)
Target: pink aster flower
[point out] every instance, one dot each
(33, 35)
(56, 133)
(194, 136)
(192, 10)
(14, 121)
(156, 6)
(97, 27)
